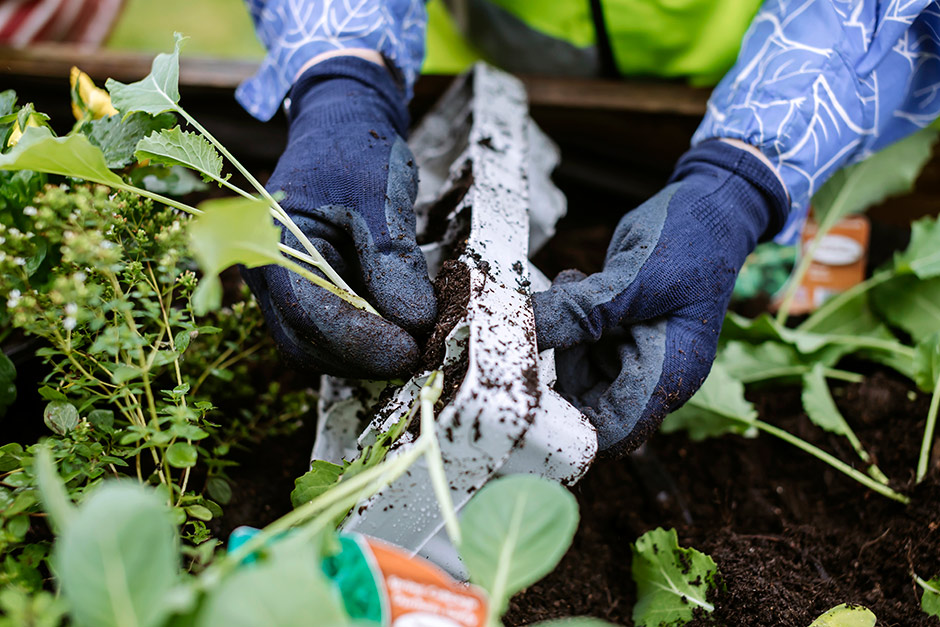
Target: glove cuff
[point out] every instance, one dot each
(348, 88)
(748, 168)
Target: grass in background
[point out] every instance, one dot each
(218, 28)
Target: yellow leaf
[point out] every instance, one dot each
(88, 101)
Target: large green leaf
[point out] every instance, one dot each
(672, 582)
(117, 559)
(846, 615)
(927, 362)
(176, 147)
(910, 303)
(890, 171)
(922, 255)
(514, 531)
(72, 155)
(117, 138)
(286, 587)
(52, 493)
(719, 407)
(818, 403)
(766, 360)
(155, 93)
(230, 231)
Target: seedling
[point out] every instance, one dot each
(930, 599)
(155, 95)
(846, 615)
(672, 582)
(116, 554)
(927, 376)
(890, 171)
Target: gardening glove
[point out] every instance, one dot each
(349, 182)
(635, 341)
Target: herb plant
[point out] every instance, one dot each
(158, 93)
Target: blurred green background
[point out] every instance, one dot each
(222, 28)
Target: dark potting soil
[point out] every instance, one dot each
(791, 536)
(452, 289)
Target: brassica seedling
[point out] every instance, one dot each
(514, 532)
(930, 599)
(672, 582)
(846, 615)
(719, 407)
(852, 189)
(927, 376)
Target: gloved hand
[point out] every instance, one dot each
(349, 181)
(635, 341)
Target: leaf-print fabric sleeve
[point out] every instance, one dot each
(820, 84)
(295, 31)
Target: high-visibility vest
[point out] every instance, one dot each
(693, 39)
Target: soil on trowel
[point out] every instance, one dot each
(791, 536)
(452, 289)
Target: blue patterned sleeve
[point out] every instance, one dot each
(295, 31)
(820, 84)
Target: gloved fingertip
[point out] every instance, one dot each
(571, 275)
(401, 289)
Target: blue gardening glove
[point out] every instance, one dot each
(634, 341)
(349, 181)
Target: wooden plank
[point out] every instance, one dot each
(55, 60)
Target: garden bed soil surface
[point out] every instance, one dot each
(791, 537)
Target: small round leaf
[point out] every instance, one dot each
(60, 416)
(181, 455)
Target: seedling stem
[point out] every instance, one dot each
(929, 429)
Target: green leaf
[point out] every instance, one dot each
(72, 155)
(219, 489)
(293, 588)
(514, 531)
(922, 255)
(755, 362)
(229, 232)
(711, 412)
(927, 362)
(671, 582)
(181, 455)
(117, 560)
(818, 403)
(7, 385)
(321, 477)
(155, 93)
(910, 304)
(124, 373)
(930, 600)
(60, 416)
(173, 181)
(118, 138)
(7, 101)
(846, 615)
(199, 512)
(52, 493)
(890, 171)
(176, 147)
(102, 419)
